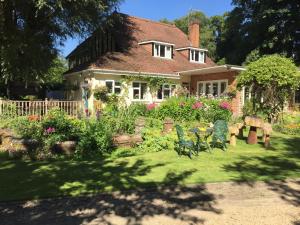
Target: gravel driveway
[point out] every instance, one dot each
(259, 203)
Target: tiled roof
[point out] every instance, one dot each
(138, 59)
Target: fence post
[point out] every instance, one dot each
(1, 102)
(46, 106)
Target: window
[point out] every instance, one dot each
(297, 97)
(163, 51)
(216, 88)
(197, 56)
(166, 91)
(139, 90)
(114, 87)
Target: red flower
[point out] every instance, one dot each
(151, 106)
(225, 105)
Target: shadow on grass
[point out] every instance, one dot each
(149, 199)
(274, 168)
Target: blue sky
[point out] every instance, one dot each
(158, 9)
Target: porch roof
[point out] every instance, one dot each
(213, 69)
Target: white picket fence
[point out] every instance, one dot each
(12, 108)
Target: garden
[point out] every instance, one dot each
(183, 140)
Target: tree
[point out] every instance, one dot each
(31, 32)
(270, 26)
(272, 79)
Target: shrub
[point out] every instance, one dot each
(100, 93)
(190, 109)
(291, 129)
(95, 139)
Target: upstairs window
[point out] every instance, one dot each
(114, 87)
(197, 56)
(162, 51)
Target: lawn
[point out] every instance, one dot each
(131, 169)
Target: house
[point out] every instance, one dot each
(136, 47)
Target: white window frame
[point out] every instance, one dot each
(163, 88)
(211, 87)
(168, 54)
(114, 86)
(201, 56)
(296, 103)
(140, 91)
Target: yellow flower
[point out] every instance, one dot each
(202, 129)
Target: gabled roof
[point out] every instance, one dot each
(139, 59)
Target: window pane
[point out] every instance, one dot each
(207, 88)
(135, 84)
(162, 51)
(201, 59)
(223, 87)
(200, 89)
(169, 52)
(109, 85)
(297, 97)
(143, 90)
(166, 86)
(136, 94)
(117, 90)
(215, 89)
(117, 84)
(167, 93)
(197, 56)
(159, 93)
(192, 55)
(156, 51)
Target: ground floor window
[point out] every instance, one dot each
(215, 88)
(166, 91)
(297, 97)
(114, 87)
(139, 90)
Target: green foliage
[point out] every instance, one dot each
(95, 139)
(26, 128)
(273, 79)
(259, 25)
(37, 28)
(289, 124)
(8, 111)
(100, 93)
(122, 119)
(155, 141)
(191, 109)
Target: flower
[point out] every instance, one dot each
(151, 106)
(197, 105)
(225, 105)
(49, 130)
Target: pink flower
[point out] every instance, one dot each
(151, 106)
(181, 104)
(197, 105)
(225, 105)
(49, 130)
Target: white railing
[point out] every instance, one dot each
(12, 108)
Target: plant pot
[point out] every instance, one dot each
(65, 147)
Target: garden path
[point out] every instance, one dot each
(257, 203)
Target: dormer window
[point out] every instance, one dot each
(162, 51)
(197, 56)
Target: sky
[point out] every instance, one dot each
(158, 9)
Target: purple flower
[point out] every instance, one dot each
(197, 105)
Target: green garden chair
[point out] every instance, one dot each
(184, 144)
(219, 137)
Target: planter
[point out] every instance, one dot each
(139, 125)
(127, 141)
(65, 147)
(168, 125)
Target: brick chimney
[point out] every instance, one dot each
(194, 33)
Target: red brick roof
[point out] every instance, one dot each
(139, 59)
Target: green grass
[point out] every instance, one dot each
(133, 170)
